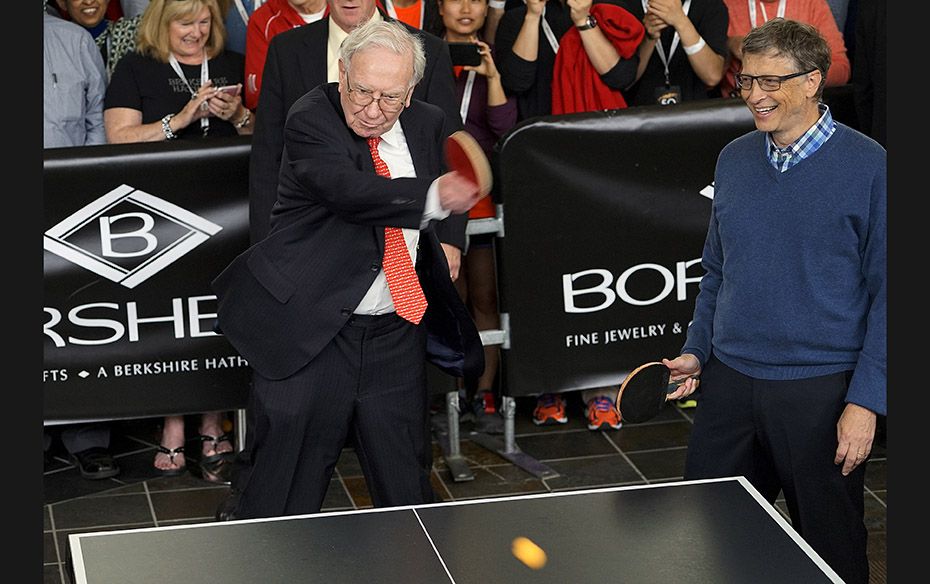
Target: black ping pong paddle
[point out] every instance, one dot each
(644, 391)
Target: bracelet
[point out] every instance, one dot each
(500, 4)
(691, 49)
(244, 121)
(166, 128)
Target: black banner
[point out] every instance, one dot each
(133, 236)
(605, 216)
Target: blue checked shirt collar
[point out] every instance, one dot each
(784, 158)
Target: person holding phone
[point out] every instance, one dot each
(487, 114)
(167, 88)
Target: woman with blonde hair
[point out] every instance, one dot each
(170, 86)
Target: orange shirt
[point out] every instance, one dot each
(482, 209)
(410, 14)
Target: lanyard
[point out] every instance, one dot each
(675, 40)
(466, 96)
(242, 12)
(752, 11)
(547, 30)
(204, 76)
(393, 13)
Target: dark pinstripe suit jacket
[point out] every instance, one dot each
(282, 300)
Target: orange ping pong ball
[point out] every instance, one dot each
(528, 552)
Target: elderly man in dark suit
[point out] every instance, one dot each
(335, 345)
(300, 59)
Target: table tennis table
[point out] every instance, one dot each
(718, 530)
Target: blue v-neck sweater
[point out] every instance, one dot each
(795, 265)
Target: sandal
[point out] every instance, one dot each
(95, 463)
(172, 452)
(216, 456)
(219, 471)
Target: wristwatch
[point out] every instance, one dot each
(590, 23)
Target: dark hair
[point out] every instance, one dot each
(793, 39)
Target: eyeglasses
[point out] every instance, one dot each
(389, 104)
(766, 82)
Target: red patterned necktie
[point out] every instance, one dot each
(402, 280)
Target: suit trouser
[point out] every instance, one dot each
(781, 435)
(369, 380)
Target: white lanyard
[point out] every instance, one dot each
(204, 76)
(242, 12)
(466, 96)
(752, 11)
(393, 13)
(547, 30)
(675, 40)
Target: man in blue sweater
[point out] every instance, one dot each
(789, 331)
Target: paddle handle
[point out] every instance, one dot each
(673, 385)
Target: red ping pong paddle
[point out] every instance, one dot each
(643, 393)
(464, 154)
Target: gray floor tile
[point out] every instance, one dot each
(93, 511)
(657, 465)
(565, 444)
(591, 472)
(653, 435)
(196, 502)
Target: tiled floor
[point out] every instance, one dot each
(635, 454)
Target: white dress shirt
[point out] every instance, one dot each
(394, 152)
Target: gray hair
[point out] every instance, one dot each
(795, 40)
(391, 35)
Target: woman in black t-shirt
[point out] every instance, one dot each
(169, 87)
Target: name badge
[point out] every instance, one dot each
(668, 95)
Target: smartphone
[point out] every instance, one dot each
(465, 54)
(230, 89)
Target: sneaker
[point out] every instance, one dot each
(602, 414)
(487, 419)
(550, 409)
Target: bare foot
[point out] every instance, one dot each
(212, 426)
(169, 462)
(172, 437)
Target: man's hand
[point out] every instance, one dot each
(487, 67)
(684, 365)
(453, 258)
(854, 433)
(457, 193)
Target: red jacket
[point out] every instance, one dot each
(271, 18)
(576, 84)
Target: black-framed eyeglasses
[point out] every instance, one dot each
(389, 104)
(766, 82)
